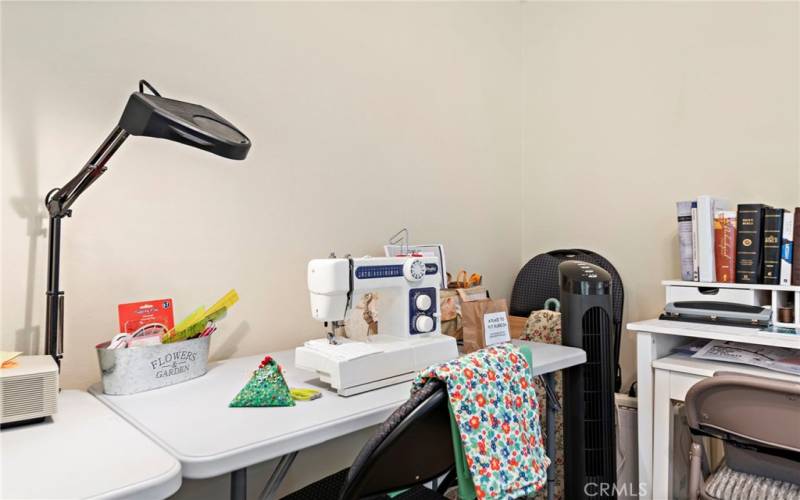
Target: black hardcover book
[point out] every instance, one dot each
(796, 248)
(749, 251)
(773, 230)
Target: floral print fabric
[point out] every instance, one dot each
(495, 409)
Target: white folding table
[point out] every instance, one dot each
(193, 422)
(547, 360)
(662, 378)
(84, 451)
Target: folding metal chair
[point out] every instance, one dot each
(758, 420)
(412, 447)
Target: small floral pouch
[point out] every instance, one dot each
(266, 387)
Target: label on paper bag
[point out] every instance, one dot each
(495, 328)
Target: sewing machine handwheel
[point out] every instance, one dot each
(414, 269)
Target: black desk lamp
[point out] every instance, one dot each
(145, 114)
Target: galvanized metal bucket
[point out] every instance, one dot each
(138, 369)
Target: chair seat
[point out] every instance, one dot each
(728, 484)
(330, 487)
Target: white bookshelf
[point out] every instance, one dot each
(786, 288)
(772, 296)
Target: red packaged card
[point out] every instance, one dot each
(146, 318)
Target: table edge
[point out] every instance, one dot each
(189, 463)
(161, 485)
(157, 487)
(200, 466)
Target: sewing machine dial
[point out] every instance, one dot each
(414, 270)
(424, 324)
(423, 302)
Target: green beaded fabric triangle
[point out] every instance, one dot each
(266, 387)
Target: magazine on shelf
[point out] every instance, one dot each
(779, 359)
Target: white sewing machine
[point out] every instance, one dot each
(409, 329)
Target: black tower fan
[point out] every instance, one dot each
(589, 434)
(537, 281)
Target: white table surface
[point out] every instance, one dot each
(655, 340)
(674, 376)
(85, 451)
(549, 358)
(716, 332)
(193, 422)
(684, 363)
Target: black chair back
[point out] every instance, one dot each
(413, 446)
(537, 281)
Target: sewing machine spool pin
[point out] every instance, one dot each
(400, 238)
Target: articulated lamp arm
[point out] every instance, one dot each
(60, 199)
(58, 202)
(149, 115)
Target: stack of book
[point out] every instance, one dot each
(747, 243)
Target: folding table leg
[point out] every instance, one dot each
(239, 484)
(549, 379)
(274, 481)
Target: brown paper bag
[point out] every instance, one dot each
(462, 281)
(517, 324)
(450, 307)
(474, 293)
(450, 301)
(473, 315)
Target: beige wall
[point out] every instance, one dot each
(631, 107)
(501, 130)
(365, 118)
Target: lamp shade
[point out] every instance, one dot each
(184, 122)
